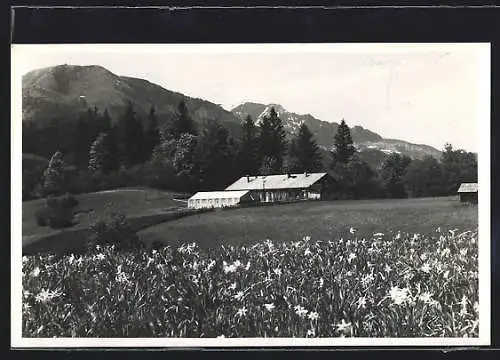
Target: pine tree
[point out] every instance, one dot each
(343, 145)
(182, 122)
(269, 166)
(216, 156)
(55, 179)
(291, 163)
(306, 151)
(152, 137)
(100, 156)
(105, 122)
(130, 137)
(272, 139)
(248, 154)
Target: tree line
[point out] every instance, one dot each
(94, 153)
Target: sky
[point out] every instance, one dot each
(427, 94)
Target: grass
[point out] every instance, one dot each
(131, 202)
(320, 220)
(385, 286)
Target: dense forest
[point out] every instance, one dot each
(95, 152)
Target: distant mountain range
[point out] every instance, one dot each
(64, 90)
(364, 139)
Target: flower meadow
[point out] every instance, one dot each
(384, 285)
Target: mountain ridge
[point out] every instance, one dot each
(64, 90)
(324, 131)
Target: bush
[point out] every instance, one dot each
(113, 229)
(57, 212)
(55, 217)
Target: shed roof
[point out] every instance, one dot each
(218, 195)
(468, 188)
(283, 181)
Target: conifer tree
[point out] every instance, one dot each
(152, 137)
(248, 154)
(272, 139)
(55, 179)
(130, 137)
(182, 122)
(343, 145)
(100, 155)
(306, 151)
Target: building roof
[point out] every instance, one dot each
(218, 195)
(468, 188)
(284, 181)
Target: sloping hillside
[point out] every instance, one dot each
(64, 90)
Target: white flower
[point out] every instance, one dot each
(351, 257)
(343, 326)
(232, 286)
(229, 268)
(387, 268)
(463, 305)
(307, 252)
(71, 259)
(423, 257)
(35, 272)
(242, 311)
(311, 332)
(313, 315)
(398, 295)
(426, 268)
(416, 237)
(367, 279)
(277, 271)
(25, 259)
(361, 302)
(438, 229)
(445, 252)
(352, 230)
(239, 295)
(210, 265)
(398, 236)
(426, 298)
(47, 295)
(299, 310)
(26, 307)
(269, 307)
(237, 264)
(307, 238)
(100, 256)
(463, 252)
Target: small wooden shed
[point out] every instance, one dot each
(468, 192)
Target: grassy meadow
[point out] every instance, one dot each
(390, 268)
(131, 202)
(322, 220)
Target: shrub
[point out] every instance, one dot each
(113, 229)
(57, 212)
(55, 217)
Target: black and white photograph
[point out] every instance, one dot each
(238, 194)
